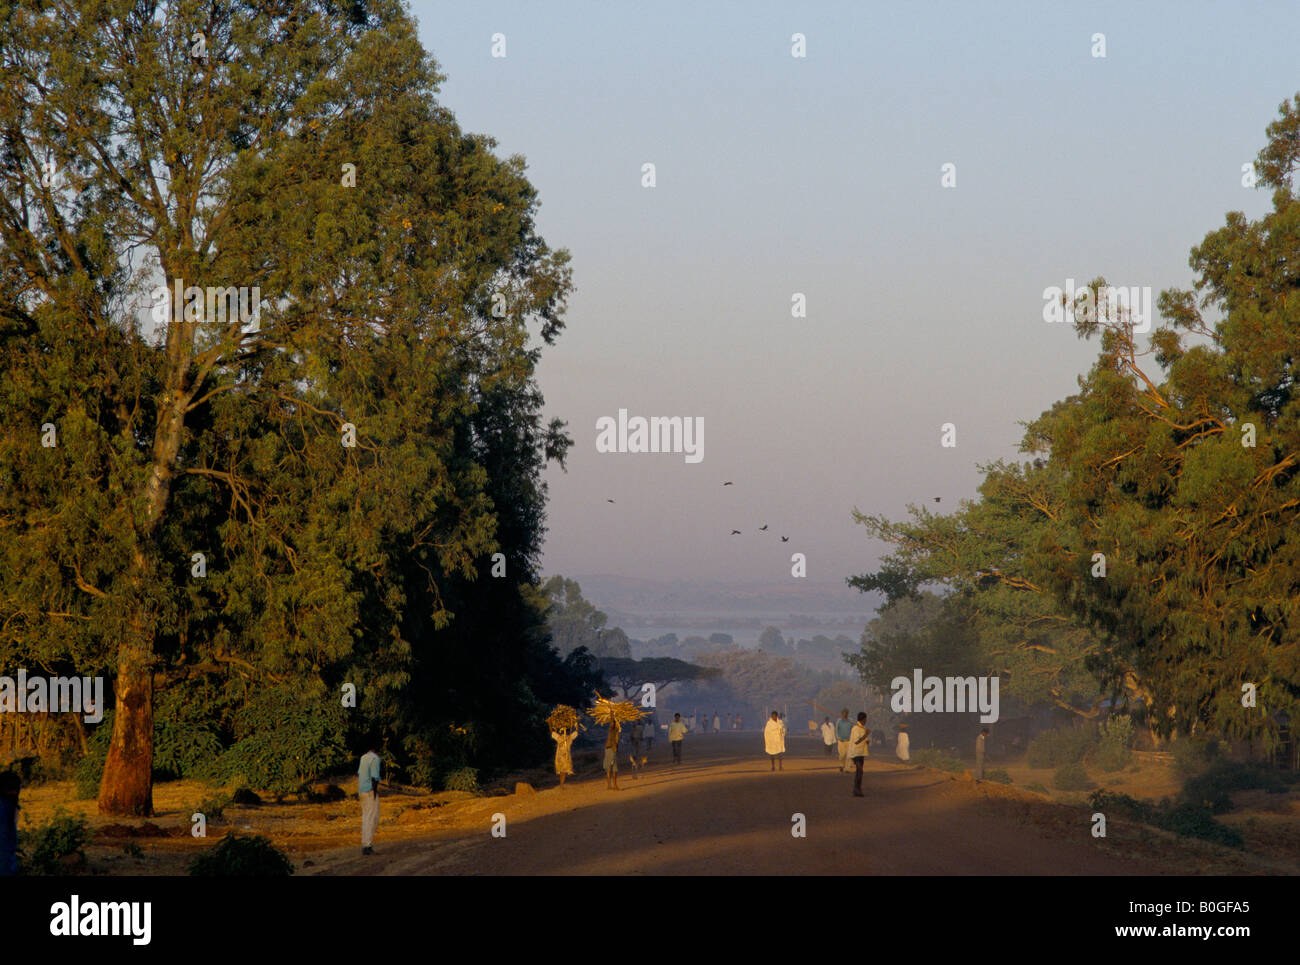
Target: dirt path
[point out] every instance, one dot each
(724, 812)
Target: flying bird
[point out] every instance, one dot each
(762, 528)
(609, 500)
(937, 498)
(785, 539)
(728, 484)
(735, 532)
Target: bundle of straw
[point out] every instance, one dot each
(606, 711)
(563, 718)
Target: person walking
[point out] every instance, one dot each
(828, 737)
(563, 756)
(979, 754)
(676, 731)
(611, 757)
(717, 723)
(843, 727)
(368, 791)
(774, 741)
(902, 746)
(859, 737)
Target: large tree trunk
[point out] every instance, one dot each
(127, 784)
(127, 787)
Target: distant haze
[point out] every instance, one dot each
(821, 176)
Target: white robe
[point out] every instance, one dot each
(774, 737)
(902, 748)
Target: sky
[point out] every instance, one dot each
(822, 175)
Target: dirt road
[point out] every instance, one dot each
(724, 812)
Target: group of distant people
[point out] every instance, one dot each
(715, 722)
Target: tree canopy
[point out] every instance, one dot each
(300, 482)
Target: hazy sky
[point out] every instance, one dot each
(821, 175)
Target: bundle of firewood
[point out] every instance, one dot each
(563, 719)
(606, 711)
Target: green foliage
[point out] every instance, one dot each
(212, 808)
(185, 736)
(1193, 754)
(1060, 746)
(284, 739)
(1213, 787)
(1186, 818)
(463, 779)
(1197, 821)
(1113, 752)
(42, 849)
(1071, 777)
(242, 856)
(998, 774)
(929, 757)
(326, 563)
(1037, 788)
(1112, 803)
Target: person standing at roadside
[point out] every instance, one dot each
(676, 731)
(828, 737)
(859, 737)
(368, 791)
(774, 741)
(843, 727)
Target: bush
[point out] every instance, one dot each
(1071, 777)
(463, 779)
(1194, 754)
(1114, 744)
(239, 856)
(1060, 746)
(1186, 819)
(45, 849)
(999, 775)
(1036, 788)
(212, 808)
(929, 757)
(1125, 805)
(284, 738)
(1213, 788)
(185, 741)
(1196, 821)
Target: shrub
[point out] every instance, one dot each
(1036, 788)
(245, 798)
(1071, 777)
(239, 856)
(45, 848)
(998, 774)
(1114, 744)
(1213, 788)
(929, 757)
(1185, 818)
(284, 737)
(1124, 805)
(185, 741)
(212, 808)
(1196, 821)
(1060, 746)
(462, 779)
(1193, 754)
